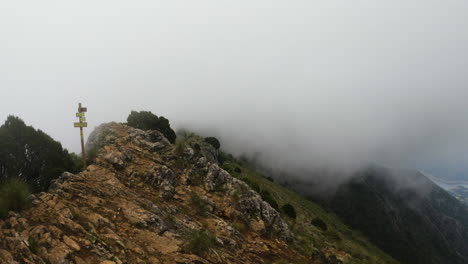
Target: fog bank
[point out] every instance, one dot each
(298, 84)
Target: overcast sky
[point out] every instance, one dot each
(305, 83)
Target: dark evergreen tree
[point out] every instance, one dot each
(30, 155)
(146, 120)
(214, 142)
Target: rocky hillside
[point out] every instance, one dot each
(145, 200)
(405, 214)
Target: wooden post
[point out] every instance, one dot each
(81, 125)
(83, 152)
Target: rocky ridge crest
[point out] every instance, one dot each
(141, 202)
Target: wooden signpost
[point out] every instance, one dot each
(81, 125)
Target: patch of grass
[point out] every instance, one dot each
(333, 235)
(199, 204)
(196, 178)
(14, 196)
(240, 226)
(139, 225)
(251, 184)
(179, 147)
(199, 242)
(33, 245)
(319, 223)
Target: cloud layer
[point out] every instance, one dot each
(299, 84)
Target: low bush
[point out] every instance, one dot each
(333, 235)
(319, 223)
(266, 196)
(199, 242)
(146, 120)
(199, 204)
(213, 142)
(14, 196)
(252, 184)
(179, 147)
(33, 245)
(289, 210)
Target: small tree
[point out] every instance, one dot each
(216, 145)
(14, 196)
(319, 223)
(199, 242)
(214, 142)
(146, 120)
(289, 210)
(266, 196)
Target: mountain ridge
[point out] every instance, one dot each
(145, 200)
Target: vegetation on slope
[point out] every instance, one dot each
(31, 155)
(146, 120)
(14, 196)
(318, 232)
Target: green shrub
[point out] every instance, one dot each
(319, 223)
(199, 242)
(14, 196)
(213, 142)
(146, 120)
(179, 147)
(196, 149)
(289, 210)
(78, 161)
(266, 196)
(333, 235)
(33, 245)
(240, 226)
(252, 184)
(199, 204)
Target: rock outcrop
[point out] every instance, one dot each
(142, 202)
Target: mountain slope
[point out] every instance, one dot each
(332, 238)
(405, 214)
(148, 201)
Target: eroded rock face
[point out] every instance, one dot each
(251, 205)
(139, 203)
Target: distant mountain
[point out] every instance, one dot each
(461, 193)
(404, 213)
(459, 189)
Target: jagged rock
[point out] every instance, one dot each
(6, 257)
(116, 159)
(218, 178)
(167, 182)
(150, 140)
(71, 243)
(107, 262)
